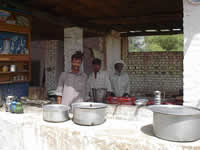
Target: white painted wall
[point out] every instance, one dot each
(113, 49)
(191, 54)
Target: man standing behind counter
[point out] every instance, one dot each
(98, 78)
(72, 85)
(120, 80)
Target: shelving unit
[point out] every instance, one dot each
(19, 60)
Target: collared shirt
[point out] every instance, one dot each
(72, 87)
(120, 83)
(101, 81)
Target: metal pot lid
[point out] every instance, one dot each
(89, 105)
(140, 102)
(55, 107)
(175, 110)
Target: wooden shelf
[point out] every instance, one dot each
(14, 28)
(13, 72)
(20, 59)
(11, 58)
(11, 82)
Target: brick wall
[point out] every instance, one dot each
(152, 71)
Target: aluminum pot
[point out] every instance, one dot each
(98, 95)
(87, 113)
(55, 113)
(176, 123)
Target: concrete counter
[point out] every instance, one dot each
(126, 130)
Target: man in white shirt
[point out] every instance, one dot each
(98, 78)
(120, 80)
(72, 85)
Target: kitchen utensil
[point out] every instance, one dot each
(22, 77)
(157, 97)
(9, 100)
(6, 46)
(19, 108)
(55, 113)
(13, 68)
(98, 94)
(176, 123)
(141, 102)
(87, 113)
(13, 106)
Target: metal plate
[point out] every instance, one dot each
(174, 110)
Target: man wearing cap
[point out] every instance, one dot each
(98, 78)
(72, 85)
(120, 80)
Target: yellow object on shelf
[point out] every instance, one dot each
(5, 68)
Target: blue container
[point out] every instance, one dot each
(13, 106)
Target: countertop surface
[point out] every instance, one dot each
(128, 129)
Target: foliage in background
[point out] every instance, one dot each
(156, 43)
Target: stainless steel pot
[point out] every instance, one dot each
(87, 113)
(55, 113)
(176, 123)
(98, 95)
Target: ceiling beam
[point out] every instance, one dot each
(150, 33)
(138, 19)
(77, 9)
(100, 6)
(126, 28)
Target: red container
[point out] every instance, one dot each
(121, 100)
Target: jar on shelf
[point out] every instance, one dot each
(5, 68)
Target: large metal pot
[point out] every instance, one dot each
(55, 113)
(98, 95)
(176, 123)
(87, 113)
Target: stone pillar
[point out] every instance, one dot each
(191, 54)
(53, 63)
(113, 49)
(73, 41)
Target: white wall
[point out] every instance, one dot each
(73, 41)
(191, 54)
(113, 49)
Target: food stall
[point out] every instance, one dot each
(124, 130)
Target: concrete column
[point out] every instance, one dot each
(73, 41)
(54, 62)
(191, 54)
(113, 49)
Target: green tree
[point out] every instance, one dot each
(158, 43)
